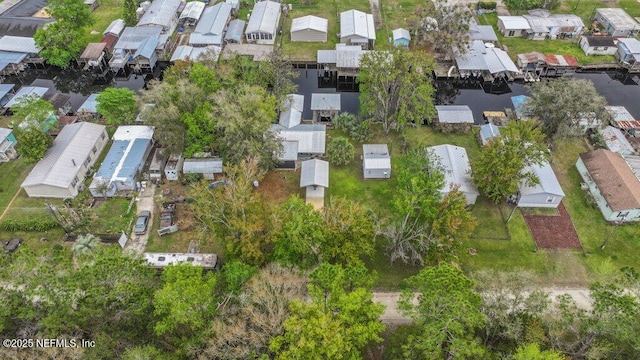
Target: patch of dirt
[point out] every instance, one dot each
(553, 232)
(278, 186)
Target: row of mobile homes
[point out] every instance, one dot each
(124, 161)
(62, 171)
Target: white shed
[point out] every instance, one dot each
(376, 161)
(173, 167)
(547, 193)
(454, 163)
(263, 24)
(309, 29)
(314, 176)
(207, 167)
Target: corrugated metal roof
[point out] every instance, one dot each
(19, 44)
(561, 60)
(488, 132)
(122, 161)
(73, 144)
(310, 22)
(160, 13)
(632, 46)
(132, 37)
(147, 48)
(543, 24)
(115, 28)
(454, 114)
(376, 156)
(12, 57)
(401, 33)
(235, 30)
(327, 56)
(616, 141)
(26, 91)
(618, 18)
(357, 23)
(324, 101)
(289, 151)
(311, 138)
(314, 172)
(619, 113)
(548, 183)
(5, 89)
(210, 28)
(499, 61)
(292, 114)
(514, 22)
(264, 17)
(202, 166)
(478, 57)
(93, 50)
(193, 10)
(349, 56)
(454, 163)
(186, 52)
(482, 32)
(615, 180)
(518, 105)
(90, 105)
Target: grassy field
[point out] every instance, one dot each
(515, 46)
(12, 174)
(108, 11)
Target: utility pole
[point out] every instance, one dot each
(615, 226)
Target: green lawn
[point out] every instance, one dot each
(12, 174)
(108, 11)
(110, 217)
(515, 46)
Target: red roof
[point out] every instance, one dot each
(110, 40)
(561, 60)
(635, 124)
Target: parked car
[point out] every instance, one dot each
(142, 222)
(12, 245)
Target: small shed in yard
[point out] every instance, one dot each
(612, 183)
(376, 161)
(289, 156)
(63, 169)
(191, 13)
(487, 133)
(325, 106)
(235, 31)
(7, 145)
(115, 28)
(124, 161)
(453, 118)
(454, 163)
(263, 24)
(513, 26)
(89, 108)
(314, 176)
(617, 22)
(156, 167)
(616, 141)
(357, 28)
(547, 193)
(598, 45)
(401, 37)
(207, 167)
(309, 29)
(173, 167)
(211, 27)
(628, 53)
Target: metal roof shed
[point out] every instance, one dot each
(309, 29)
(207, 167)
(376, 161)
(192, 11)
(235, 30)
(115, 28)
(325, 102)
(514, 22)
(26, 91)
(19, 44)
(454, 163)
(401, 37)
(263, 24)
(314, 173)
(210, 28)
(5, 93)
(547, 193)
(454, 114)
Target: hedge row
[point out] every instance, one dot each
(28, 224)
(487, 5)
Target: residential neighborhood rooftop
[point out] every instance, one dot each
(616, 181)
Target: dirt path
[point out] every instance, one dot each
(138, 244)
(10, 202)
(375, 11)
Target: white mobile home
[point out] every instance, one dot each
(454, 163)
(263, 24)
(547, 193)
(617, 22)
(357, 28)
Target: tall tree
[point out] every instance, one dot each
(281, 75)
(503, 163)
(117, 105)
(32, 109)
(129, 12)
(561, 103)
(396, 88)
(350, 232)
(33, 143)
(442, 25)
(338, 321)
(340, 151)
(446, 314)
(453, 224)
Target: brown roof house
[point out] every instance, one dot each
(612, 183)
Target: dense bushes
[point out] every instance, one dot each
(28, 224)
(487, 5)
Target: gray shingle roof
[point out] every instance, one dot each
(314, 172)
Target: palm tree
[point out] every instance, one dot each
(85, 245)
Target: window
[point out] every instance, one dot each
(551, 199)
(87, 161)
(74, 182)
(511, 33)
(94, 150)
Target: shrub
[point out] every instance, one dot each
(487, 5)
(340, 151)
(28, 224)
(358, 130)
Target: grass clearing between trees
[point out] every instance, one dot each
(108, 11)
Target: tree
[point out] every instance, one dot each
(442, 26)
(453, 224)
(579, 100)
(74, 13)
(357, 129)
(340, 151)
(185, 304)
(300, 235)
(117, 105)
(236, 274)
(33, 144)
(350, 232)
(281, 74)
(523, 5)
(447, 315)
(338, 321)
(129, 12)
(85, 245)
(504, 162)
(396, 88)
(32, 109)
(532, 352)
(249, 320)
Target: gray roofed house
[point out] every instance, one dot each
(547, 193)
(628, 53)
(163, 14)
(357, 28)
(235, 31)
(124, 161)
(62, 170)
(482, 32)
(376, 161)
(545, 25)
(289, 152)
(598, 45)
(480, 59)
(345, 57)
(131, 39)
(309, 29)
(263, 24)
(190, 53)
(617, 22)
(19, 44)
(488, 132)
(325, 106)
(115, 28)
(26, 91)
(311, 139)
(453, 118)
(192, 12)
(146, 57)
(20, 26)
(454, 164)
(207, 167)
(211, 27)
(513, 26)
(292, 113)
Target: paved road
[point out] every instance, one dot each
(138, 244)
(392, 316)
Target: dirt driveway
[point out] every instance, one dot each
(138, 243)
